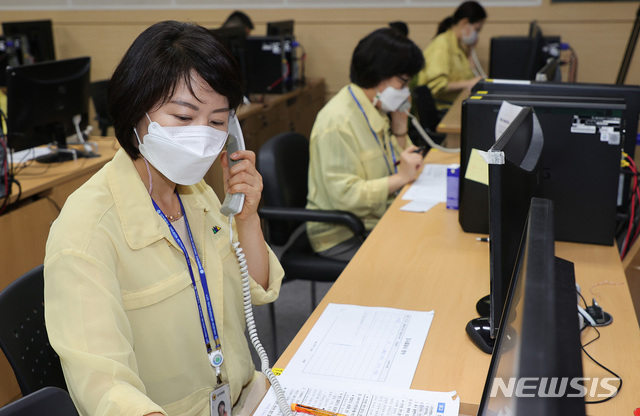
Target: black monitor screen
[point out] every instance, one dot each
(512, 184)
(514, 162)
(521, 57)
(234, 39)
(280, 28)
(539, 341)
(42, 100)
(39, 35)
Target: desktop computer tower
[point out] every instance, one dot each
(580, 162)
(270, 64)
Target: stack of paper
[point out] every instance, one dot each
(361, 360)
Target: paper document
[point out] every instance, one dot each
(352, 399)
(362, 344)
(507, 113)
(428, 189)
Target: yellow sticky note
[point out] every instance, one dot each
(477, 168)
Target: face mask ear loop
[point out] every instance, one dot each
(376, 98)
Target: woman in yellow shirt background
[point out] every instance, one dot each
(448, 69)
(359, 152)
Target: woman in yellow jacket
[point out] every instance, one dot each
(448, 69)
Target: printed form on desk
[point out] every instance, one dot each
(360, 360)
(429, 189)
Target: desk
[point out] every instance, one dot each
(429, 263)
(452, 120)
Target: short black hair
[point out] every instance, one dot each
(238, 18)
(383, 54)
(162, 56)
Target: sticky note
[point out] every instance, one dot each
(477, 168)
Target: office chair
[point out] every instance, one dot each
(23, 336)
(50, 401)
(428, 115)
(98, 90)
(283, 162)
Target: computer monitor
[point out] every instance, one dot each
(234, 38)
(539, 340)
(39, 34)
(549, 72)
(521, 57)
(280, 28)
(42, 101)
(514, 170)
(580, 161)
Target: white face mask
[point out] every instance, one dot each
(471, 38)
(392, 99)
(183, 154)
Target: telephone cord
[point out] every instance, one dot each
(251, 326)
(429, 140)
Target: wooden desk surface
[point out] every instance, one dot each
(452, 120)
(39, 177)
(426, 262)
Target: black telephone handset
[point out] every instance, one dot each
(233, 203)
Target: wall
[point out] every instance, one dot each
(597, 31)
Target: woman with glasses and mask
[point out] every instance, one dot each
(143, 289)
(360, 153)
(451, 65)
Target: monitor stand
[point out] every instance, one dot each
(483, 306)
(479, 331)
(64, 154)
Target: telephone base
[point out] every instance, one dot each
(479, 331)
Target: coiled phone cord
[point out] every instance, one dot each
(428, 138)
(251, 327)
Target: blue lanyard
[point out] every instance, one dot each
(215, 357)
(393, 154)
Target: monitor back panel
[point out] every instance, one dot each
(580, 164)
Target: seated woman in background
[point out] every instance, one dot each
(448, 68)
(143, 290)
(359, 156)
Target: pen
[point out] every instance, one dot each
(485, 239)
(312, 410)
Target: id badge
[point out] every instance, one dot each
(220, 401)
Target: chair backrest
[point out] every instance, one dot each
(425, 104)
(50, 401)
(283, 162)
(98, 90)
(23, 335)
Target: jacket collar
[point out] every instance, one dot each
(377, 119)
(141, 225)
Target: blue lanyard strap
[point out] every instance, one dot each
(393, 154)
(214, 357)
